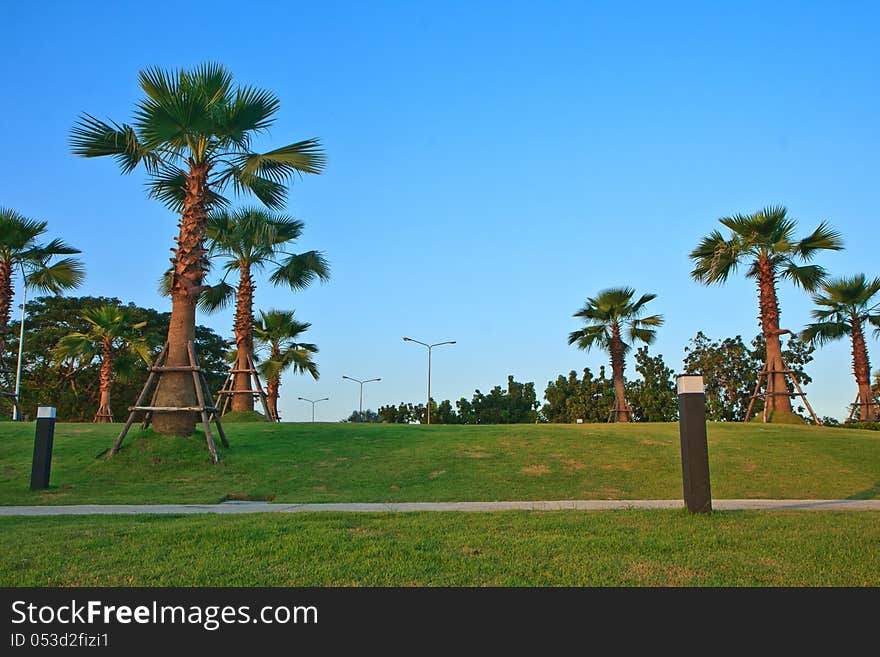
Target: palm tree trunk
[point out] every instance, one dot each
(769, 308)
(188, 271)
(6, 294)
(617, 366)
(862, 371)
(103, 414)
(272, 386)
(244, 340)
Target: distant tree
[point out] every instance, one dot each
(612, 318)
(730, 371)
(22, 252)
(845, 306)
(875, 388)
(765, 242)
(114, 340)
(729, 374)
(278, 335)
(367, 416)
(518, 404)
(570, 399)
(245, 241)
(444, 413)
(465, 412)
(401, 414)
(193, 132)
(653, 397)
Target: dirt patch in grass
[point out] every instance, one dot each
(535, 470)
(618, 466)
(246, 497)
(436, 473)
(572, 464)
(477, 455)
(750, 467)
(664, 574)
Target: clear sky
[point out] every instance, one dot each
(490, 165)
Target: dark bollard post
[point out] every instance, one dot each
(45, 436)
(694, 448)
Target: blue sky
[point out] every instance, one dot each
(490, 165)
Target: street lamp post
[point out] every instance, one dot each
(430, 347)
(313, 402)
(361, 404)
(17, 399)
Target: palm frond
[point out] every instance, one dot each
(809, 277)
(823, 238)
(301, 270)
(91, 137)
(63, 274)
(820, 333)
(216, 297)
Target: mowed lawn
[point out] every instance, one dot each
(377, 463)
(529, 548)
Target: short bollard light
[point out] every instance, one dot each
(45, 435)
(694, 448)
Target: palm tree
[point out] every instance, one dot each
(278, 332)
(193, 134)
(111, 337)
(844, 306)
(611, 316)
(38, 263)
(248, 240)
(765, 242)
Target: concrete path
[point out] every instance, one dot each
(402, 507)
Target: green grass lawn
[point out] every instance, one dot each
(565, 548)
(378, 463)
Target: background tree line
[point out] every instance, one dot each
(72, 385)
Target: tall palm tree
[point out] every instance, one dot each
(845, 305)
(21, 252)
(193, 134)
(614, 321)
(248, 240)
(278, 332)
(765, 242)
(111, 337)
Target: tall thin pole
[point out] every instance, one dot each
(17, 400)
(361, 402)
(429, 347)
(428, 406)
(313, 402)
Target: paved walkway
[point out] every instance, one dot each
(402, 507)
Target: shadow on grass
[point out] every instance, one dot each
(867, 494)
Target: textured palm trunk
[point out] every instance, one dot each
(188, 272)
(617, 365)
(104, 413)
(862, 371)
(272, 386)
(6, 294)
(769, 308)
(244, 341)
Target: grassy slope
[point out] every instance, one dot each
(632, 547)
(348, 463)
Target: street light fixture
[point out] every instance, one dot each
(429, 346)
(313, 402)
(361, 405)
